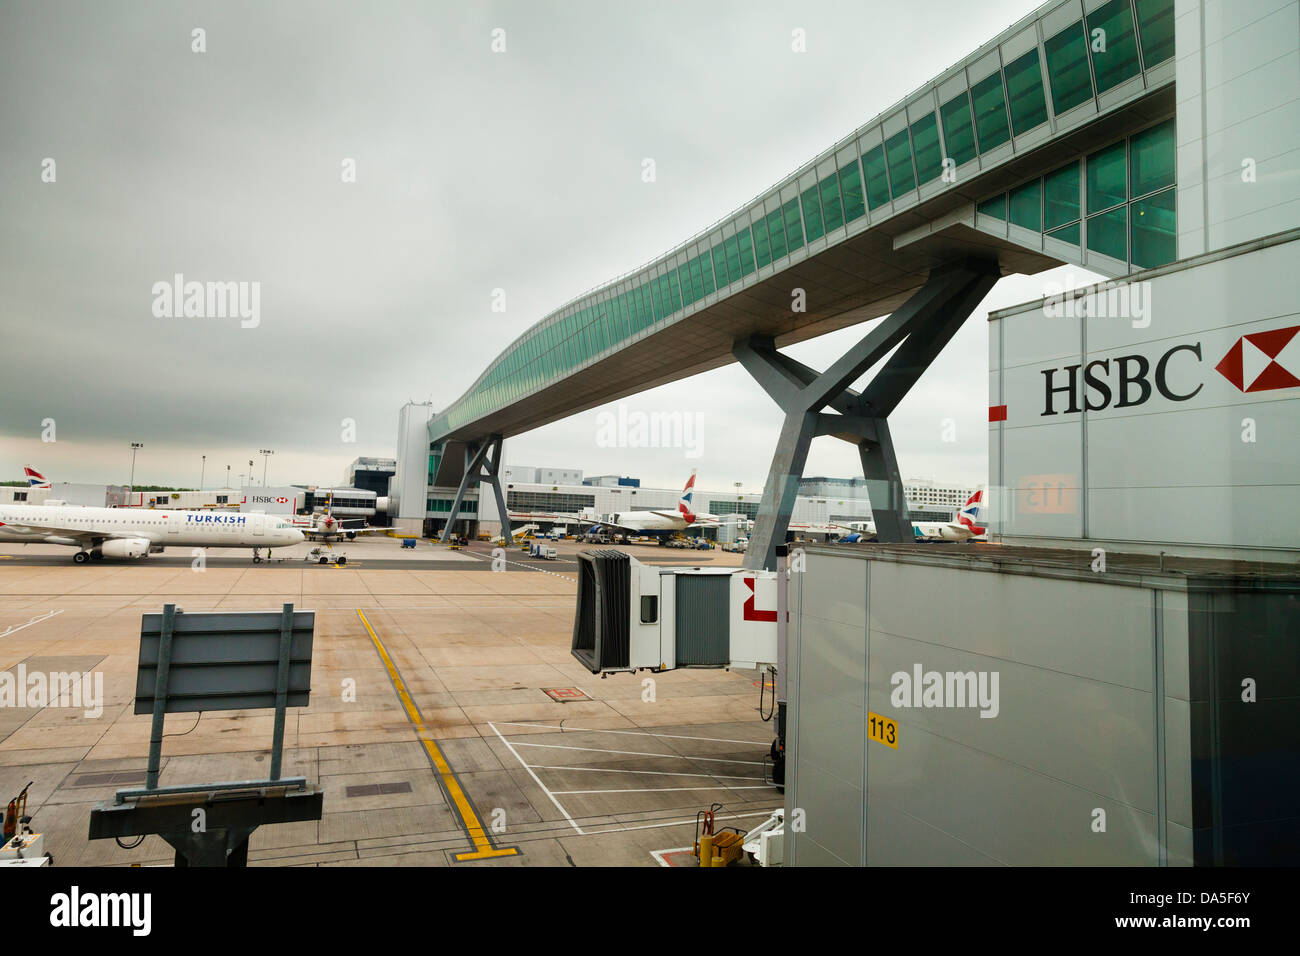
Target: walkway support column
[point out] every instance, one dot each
(918, 330)
(482, 465)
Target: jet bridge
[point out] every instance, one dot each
(632, 616)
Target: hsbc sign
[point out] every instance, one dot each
(1258, 362)
(282, 500)
(1124, 382)
(1175, 432)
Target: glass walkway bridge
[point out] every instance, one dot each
(1053, 143)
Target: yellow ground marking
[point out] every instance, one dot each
(483, 848)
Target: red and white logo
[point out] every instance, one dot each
(1263, 361)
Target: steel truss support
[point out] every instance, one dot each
(482, 464)
(916, 332)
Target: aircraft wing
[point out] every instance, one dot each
(700, 522)
(37, 529)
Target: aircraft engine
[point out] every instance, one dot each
(125, 548)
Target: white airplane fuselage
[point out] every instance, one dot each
(655, 521)
(119, 532)
(922, 530)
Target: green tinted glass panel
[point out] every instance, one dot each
(1155, 232)
(1106, 178)
(1119, 60)
(1025, 91)
(958, 131)
(732, 246)
(877, 177)
(674, 292)
(633, 310)
(1156, 27)
(720, 265)
(1108, 233)
(1067, 68)
(898, 150)
(1025, 206)
(655, 300)
(1151, 159)
(746, 242)
(851, 192)
(1061, 196)
(684, 283)
(925, 143)
(995, 207)
(776, 232)
(706, 271)
(1068, 234)
(812, 213)
(990, 112)
(762, 247)
(793, 227)
(832, 210)
(647, 307)
(697, 278)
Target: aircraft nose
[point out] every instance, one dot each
(299, 537)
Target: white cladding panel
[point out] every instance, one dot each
(1196, 448)
(409, 484)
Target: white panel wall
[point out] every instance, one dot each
(409, 483)
(1237, 79)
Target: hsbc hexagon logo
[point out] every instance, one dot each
(1263, 361)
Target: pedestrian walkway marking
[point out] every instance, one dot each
(483, 848)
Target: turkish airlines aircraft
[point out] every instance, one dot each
(132, 533)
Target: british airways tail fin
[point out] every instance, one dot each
(684, 503)
(971, 515)
(35, 479)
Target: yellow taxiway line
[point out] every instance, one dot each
(483, 848)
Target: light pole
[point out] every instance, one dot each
(227, 476)
(135, 447)
(202, 471)
(266, 454)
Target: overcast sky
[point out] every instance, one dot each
(474, 171)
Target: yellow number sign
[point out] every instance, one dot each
(882, 730)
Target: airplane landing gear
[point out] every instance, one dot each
(257, 558)
(81, 557)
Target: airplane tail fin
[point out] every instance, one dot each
(971, 515)
(684, 503)
(35, 479)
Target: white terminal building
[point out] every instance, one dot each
(530, 490)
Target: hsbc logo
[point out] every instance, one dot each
(267, 499)
(1122, 382)
(1263, 361)
(1258, 362)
